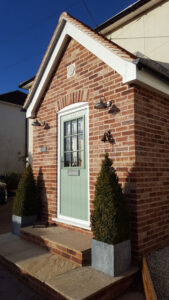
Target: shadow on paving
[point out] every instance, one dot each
(11, 288)
(6, 216)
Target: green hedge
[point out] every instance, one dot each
(110, 220)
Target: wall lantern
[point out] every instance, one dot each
(101, 105)
(44, 124)
(107, 137)
(114, 109)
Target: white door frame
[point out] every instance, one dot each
(68, 220)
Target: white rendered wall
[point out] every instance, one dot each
(148, 33)
(12, 138)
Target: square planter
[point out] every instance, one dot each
(111, 259)
(18, 222)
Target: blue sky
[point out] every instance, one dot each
(27, 27)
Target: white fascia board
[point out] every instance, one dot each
(146, 79)
(124, 68)
(99, 50)
(48, 71)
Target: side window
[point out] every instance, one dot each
(74, 143)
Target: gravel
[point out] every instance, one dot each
(158, 263)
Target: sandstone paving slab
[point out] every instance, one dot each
(80, 283)
(5, 237)
(62, 236)
(9, 244)
(11, 288)
(51, 267)
(33, 259)
(60, 274)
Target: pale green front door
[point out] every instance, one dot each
(74, 166)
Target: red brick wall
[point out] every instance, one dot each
(93, 79)
(151, 170)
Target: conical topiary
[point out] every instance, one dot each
(110, 220)
(25, 201)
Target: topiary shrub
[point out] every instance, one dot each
(25, 201)
(110, 220)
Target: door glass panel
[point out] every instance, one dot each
(80, 158)
(80, 125)
(74, 159)
(80, 143)
(67, 159)
(74, 126)
(67, 128)
(74, 143)
(67, 144)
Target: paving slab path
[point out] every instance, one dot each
(13, 289)
(6, 216)
(58, 273)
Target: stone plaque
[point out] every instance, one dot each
(43, 149)
(71, 70)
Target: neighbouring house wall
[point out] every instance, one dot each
(93, 79)
(137, 34)
(151, 170)
(12, 138)
(30, 140)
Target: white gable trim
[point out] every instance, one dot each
(102, 52)
(126, 69)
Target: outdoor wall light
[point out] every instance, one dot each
(114, 109)
(101, 105)
(36, 123)
(107, 137)
(42, 123)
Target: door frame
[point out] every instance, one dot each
(60, 218)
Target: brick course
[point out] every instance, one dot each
(151, 170)
(140, 133)
(92, 80)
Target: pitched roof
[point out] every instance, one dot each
(119, 59)
(125, 15)
(27, 83)
(66, 18)
(14, 97)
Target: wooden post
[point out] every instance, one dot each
(147, 281)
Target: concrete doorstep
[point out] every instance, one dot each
(55, 277)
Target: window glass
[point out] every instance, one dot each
(67, 128)
(80, 145)
(67, 145)
(80, 158)
(74, 126)
(67, 159)
(74, 159)
(74, 143)
(80, 125)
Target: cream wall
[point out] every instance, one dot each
(12, 138)
(145, 34)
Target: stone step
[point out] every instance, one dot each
(69, 244)
(55, 277)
